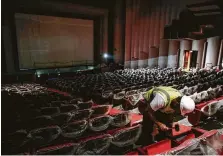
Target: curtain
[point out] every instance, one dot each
(145, 22)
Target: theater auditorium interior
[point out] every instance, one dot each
(74, 73)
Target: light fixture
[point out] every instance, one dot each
(38, 75)
(105, 55)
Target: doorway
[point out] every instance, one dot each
(190, 59)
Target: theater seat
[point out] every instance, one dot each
(63, 149)
(100, 123)
(74, 129)
(44, 136)
(95, 145)
(126, 136)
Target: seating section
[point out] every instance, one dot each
(43, 121)
(126, 87)
(49, 123)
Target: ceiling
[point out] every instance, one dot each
(199, 20)
(105, 4)
(88, 9)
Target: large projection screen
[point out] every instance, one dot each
(47, 41)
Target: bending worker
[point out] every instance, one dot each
(160, 106)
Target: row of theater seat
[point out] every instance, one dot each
(144, 79)
(59, 125)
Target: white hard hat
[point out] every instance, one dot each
(187, 105)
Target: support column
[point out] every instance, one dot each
(198, 45)
(143, 59)
(174, 45)
(163, 53)
(153, 57)
(212, 50)
(220, 55)
(134, 63)
(204, 54)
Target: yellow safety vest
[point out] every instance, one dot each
(167, 93)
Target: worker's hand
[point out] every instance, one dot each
(155, 130)
(163, 127)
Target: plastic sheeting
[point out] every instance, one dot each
(64, 149)
(101, 110)
(185, 122)
(43, 136)
(211, 108)
(204, 95)
(74, 129)
(62, 118)
(84, 105)
(68, 108)
(15, 141)
(118, 98)
(133, 99)
(121, 119)
(41, 121)
(210, 143)
(100, 123)
(127, 136)
(50, 110)
(82, 114)
(95, 146)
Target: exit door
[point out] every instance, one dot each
(190, 59)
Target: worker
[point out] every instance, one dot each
(160, 106)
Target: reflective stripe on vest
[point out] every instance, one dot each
(167, 93)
